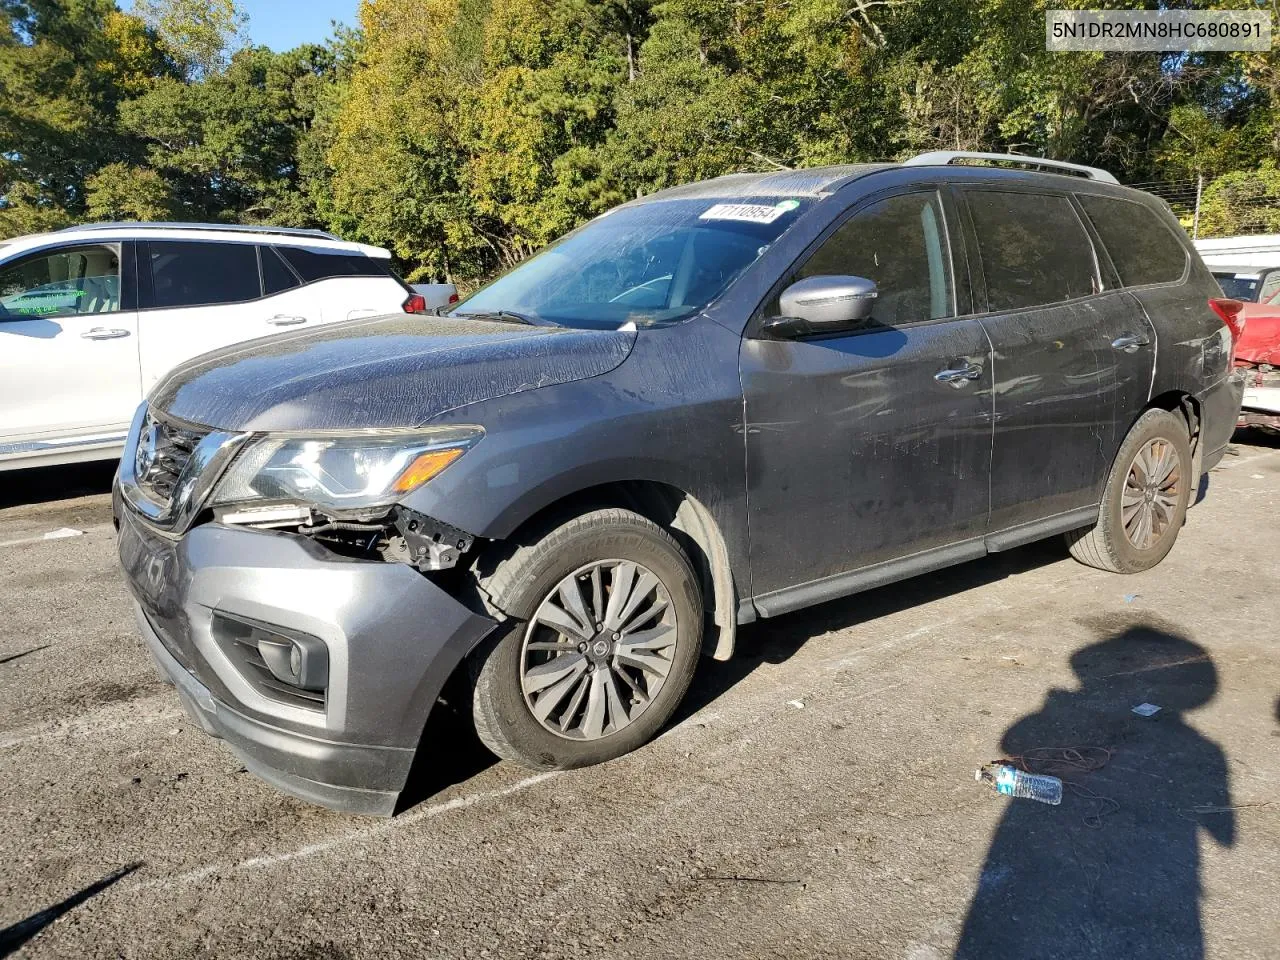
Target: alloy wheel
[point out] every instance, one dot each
(1149, 501)
(598, 649)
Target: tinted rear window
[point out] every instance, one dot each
(192, 273)
(1034, 249)
(1142, 247)
(312, 265)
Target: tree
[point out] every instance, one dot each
(227, 145)
(202, 34)
(64, 70)
(1242, 202)
(498, 109)
(121, 192)
(398, 148)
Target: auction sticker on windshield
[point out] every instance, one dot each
(751, 212)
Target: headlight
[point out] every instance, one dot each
(342, 472)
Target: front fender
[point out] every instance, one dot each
(670, 414)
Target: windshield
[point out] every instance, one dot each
(1238, 286)
(650, 264)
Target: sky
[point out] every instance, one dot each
(283, 24)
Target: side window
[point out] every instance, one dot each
(1143, 248)
(313, 265)
(901, 244)
(193, 273)
(1033, 247)
(60, 283)
(1270, 292)
(276, 277)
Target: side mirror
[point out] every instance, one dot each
(823, 304)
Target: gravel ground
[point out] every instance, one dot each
(814, 799)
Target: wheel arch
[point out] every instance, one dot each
(678, 512)
(1185, 404)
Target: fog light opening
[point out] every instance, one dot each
(283, 664)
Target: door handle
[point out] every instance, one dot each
(104, 333)
(1130, 342)
(958, 376)
(280, 320)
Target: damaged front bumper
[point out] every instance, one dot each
(1261, 404)
(221, 610)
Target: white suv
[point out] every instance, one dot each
(91, 317)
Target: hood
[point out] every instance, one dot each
(396, 371)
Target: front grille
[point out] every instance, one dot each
(162, 454)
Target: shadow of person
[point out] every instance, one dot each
(1115, 870)
(13, 937)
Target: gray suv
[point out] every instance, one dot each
(722, 402)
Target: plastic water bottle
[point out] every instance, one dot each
(1007, 779)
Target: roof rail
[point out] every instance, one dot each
(941, 158)
(228, 227)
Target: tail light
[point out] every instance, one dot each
(415, 304)
(1229, 312)
(453, 297)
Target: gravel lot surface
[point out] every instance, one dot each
(815, 798)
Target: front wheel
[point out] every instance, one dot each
(1145, 501)
(604, 638)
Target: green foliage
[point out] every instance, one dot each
(201, 34)
(1242, 202)
(121, 192)
(64, 68)
(227, 146)
(464, 134)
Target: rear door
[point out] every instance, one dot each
(1073, 354)
(68, 345)
(200, 295)
(345, 285)
(873, 443)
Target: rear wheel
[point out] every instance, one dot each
(603, 641)
(1145, 501)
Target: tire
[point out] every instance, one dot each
(511, 674)
(1107, 544)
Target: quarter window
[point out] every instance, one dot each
(901, 244)
(1033, 247)
(313, 265)
(1142, 247)
(59, 283)
(193, 273)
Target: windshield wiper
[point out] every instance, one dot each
(505, 316)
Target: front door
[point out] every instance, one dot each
(68, 347)
(871, 444)
(1072, 354)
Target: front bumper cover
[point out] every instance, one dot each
(393, 638)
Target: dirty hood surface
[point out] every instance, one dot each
(395, 371)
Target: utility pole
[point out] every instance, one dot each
(1195, 218)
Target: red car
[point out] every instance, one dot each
(1258, 346)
